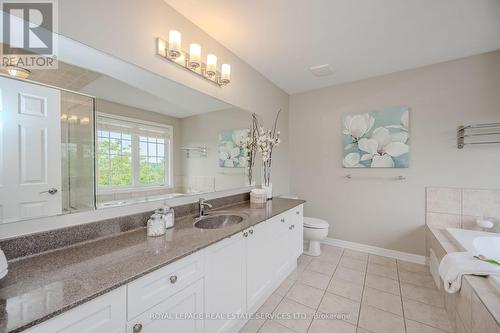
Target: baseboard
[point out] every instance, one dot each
(415, 258)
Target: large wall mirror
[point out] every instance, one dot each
(99, 132)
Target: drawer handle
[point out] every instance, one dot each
(173, 279)
(245, 234)
(290, 227)
(137, 328)
(297, 212)
(283, 220)
(293, 226)
(250, 231)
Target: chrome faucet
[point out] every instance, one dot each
(202, 205)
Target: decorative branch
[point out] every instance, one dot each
(267, 140)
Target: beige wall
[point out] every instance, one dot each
(128, 28)
(203, 130)
(391, 214)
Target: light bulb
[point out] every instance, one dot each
(19, 72)
(211, 65)
(225, 74)
(194, 55)
(174, 43)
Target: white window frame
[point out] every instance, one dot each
(136, 185)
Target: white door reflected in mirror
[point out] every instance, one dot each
(30, 151)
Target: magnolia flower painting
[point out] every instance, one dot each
(378, 139)
(232, 150)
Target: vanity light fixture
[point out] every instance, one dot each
(171, 50)
(17, 71)
(73, 119)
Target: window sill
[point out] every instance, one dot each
(134, 189)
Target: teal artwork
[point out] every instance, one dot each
(377, 139)
(232, 151)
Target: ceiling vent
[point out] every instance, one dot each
(321, 70)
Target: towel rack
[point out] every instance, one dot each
(201, 150)
(349, 176)
(490, 132)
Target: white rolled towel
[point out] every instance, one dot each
(455, 265)
(3, 264)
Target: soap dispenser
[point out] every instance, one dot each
(156, 225)
(169, 216)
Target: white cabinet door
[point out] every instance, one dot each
(30, 150)
(175, 314)
(105, 314)
(260, 253)
(297, 241)
(225, 283)
(283, 241)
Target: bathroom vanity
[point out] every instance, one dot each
(189, 280)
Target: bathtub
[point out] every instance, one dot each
(479, 242)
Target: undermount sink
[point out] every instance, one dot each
(217, 221)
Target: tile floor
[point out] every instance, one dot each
(366, 293)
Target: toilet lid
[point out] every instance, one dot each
(315, 223)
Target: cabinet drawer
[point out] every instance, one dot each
(105, 314)
(153, 288)
(177, 314)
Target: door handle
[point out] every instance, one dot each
(51, 191)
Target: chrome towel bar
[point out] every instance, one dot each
(349, 176)
(489, 131)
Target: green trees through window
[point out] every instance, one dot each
(120, 153)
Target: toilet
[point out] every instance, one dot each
(315, 230)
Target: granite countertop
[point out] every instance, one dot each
(482, 286)
(56, 281)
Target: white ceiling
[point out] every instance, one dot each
(358, 38)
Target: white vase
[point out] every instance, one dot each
(269, 190)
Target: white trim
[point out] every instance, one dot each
(132, 120)
(415, 258)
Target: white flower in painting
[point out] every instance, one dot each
(357, 126)
(405, 120)
(239, 136)
(383, 146)
(243, 161)
(352, 160)
(229, 154)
